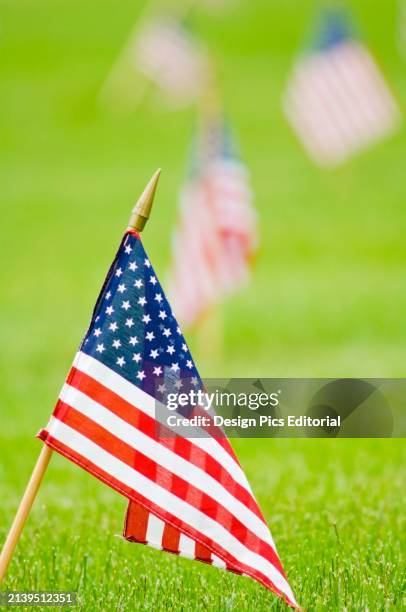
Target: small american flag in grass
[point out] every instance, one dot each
(210, 264)
(187, 496)
(337, 100)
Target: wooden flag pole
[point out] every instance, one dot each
(24, 509)
(139, 217)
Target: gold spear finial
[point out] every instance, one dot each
(142, 210)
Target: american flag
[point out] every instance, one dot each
(208, 265)
(337, 100)
(188, 496)
(166, 53)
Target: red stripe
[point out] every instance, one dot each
(170, 538)
(164, 478)
(150, 427)
(136, 523)
(202, 553)
(160, 513)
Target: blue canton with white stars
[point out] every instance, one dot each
(133, 330)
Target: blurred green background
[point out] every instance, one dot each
(327, 297)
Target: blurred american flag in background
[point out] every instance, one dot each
(166, 53)
(337, 100)
(217, 232)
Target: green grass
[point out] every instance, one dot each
(327, 298)
(335, 508)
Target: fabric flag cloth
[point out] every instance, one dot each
(337, 100)
(209, 265)
(187, 495)
(166, 53)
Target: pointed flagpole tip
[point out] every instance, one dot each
(142, 210)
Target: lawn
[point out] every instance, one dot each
(327, 298)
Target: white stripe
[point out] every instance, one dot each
(164, 457)
(164, 499)
(186, 546)
(146, 403)
(155, 531)
(218, 562)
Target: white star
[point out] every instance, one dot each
(158, 371)
(189, 364)
(152, 279)
(195, 381)
(138, 283)
(150, 336)
(162, 315)
(121, 288)
(178, 330)
(154, 353)
(142, 301)
(120, 361)
(100, 348)
(136, 357)
(175, 367)
(166, 332)
(158, 298)
(126, 305)
(113, 326)
(146, 319)
(141, 375)
(178, 384)
(133, 340)
(97, 332)
(108, 295)
(133, 266)
(161, 388)
(184, 347)
(119, 272)
(116, 344)
(128, 249)
(129, 322)
(170, 349)
(147, 263)
(109, 310)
